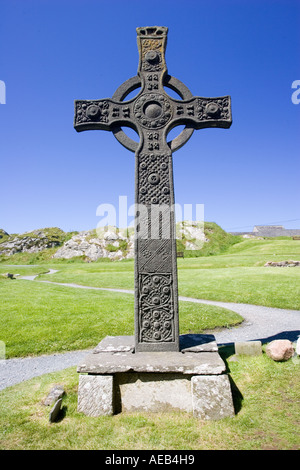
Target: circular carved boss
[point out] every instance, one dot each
(132, 84)
(152, 110)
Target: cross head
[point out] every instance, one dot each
(152, 114)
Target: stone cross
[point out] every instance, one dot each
(152, 114)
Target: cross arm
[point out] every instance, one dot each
(101, 114)
(203, 112)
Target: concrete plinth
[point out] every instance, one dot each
(120, 380)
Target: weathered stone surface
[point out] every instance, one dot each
(162, 361)
(55, 394)
(248, 348)
(187, 343)
(115, 344)
(55, 411)
(155, 381)
(211, 396)
(95, 395)
(98, 244)
(280, 350)
(153, 392)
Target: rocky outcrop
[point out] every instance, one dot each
(108, 242)
(191, 234)
(282, 264)
(112, 243)
(117, 244)
(32, 242)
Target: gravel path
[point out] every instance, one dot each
(264, 323)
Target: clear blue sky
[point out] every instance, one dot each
(56, 51)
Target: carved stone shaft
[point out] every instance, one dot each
(153, 113)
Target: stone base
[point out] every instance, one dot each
(119, 380)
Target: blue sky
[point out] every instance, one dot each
(56, 51)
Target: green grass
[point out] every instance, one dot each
(237, 276)
(208, 278)
(271, 287)
(266, 398)
(39, 318)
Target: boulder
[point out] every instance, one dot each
(280, 350)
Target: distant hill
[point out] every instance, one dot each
(111, 243)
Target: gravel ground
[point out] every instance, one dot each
(263, 323)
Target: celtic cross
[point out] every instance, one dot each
(152, 114)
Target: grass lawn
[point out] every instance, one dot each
(237, 276)
(266, 397)
(271, 287)
(38, 318)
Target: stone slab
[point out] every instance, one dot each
(187, 343)
(115, 344)
(95, 395)
(148, 392)
(55, 411)
(248, 348)
(162, 362)
(121, 380)
(211, 397)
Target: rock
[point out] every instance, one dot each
(120, 380)
(192, 234)
(280, 350)
(55, 411)
(114, 344)
(32, 242)
(55, 394)
(289, 263)
(248, 348)
(193, 363)
(93, 247)
(110, 235)
(104, 242)
(8, 275)
(212, 398)
(95, 395)
(94, 252)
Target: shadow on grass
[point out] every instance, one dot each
(61, 414)
(237, 397)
